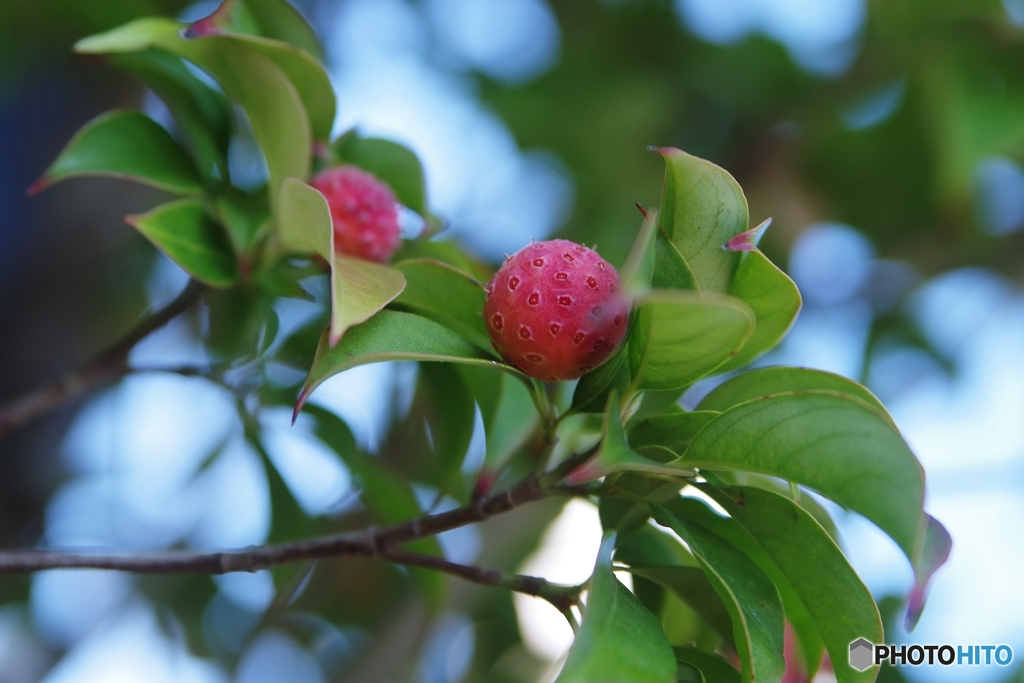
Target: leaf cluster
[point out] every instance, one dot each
(710, 510)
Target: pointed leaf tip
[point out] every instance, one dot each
(125, 144)
(301, 401)
(747, 241)
(934, 553)
(199, 29)
(38, 186)
(217, 22)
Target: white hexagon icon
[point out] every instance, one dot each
(861, 654)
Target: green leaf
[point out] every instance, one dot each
(648, 546)
(652, 547)
(693, 587)
(619, 641)
(186, 233)
(309, 78)
(392, 335)
(131, 37)
(679, 337)
(203, 115)
(701, 209)
(615, 455)
(714, 668)
(656, 403)
(444, 251)
(450, 418)
(358, 288)
(304, 220)
(258, 23)
(626, 512)
(674, 431)
(271, 101)
(638, 269)
(838, 445)
(682, 625)
(772, 296)
(508, 414)
(446, 295)
(655, 262)
(811, 646)
(249, 77)
(671, 271)
(277, 19)
(591, 392)
(512, 423)
(687, 673)
(753, 601)
(125, 144)
(780, 379)
(934, 553)
(762, 481)
(395, 164)
(813, 565)
(247, 219)
(229, 66)
(240, 323)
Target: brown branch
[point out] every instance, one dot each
(561, 596)
(531, 489)
(367, 543)
(24, 561)
(269, 556)
(109, 365)
(380, 544)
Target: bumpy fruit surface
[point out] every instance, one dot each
(363, 211)
(554, 310)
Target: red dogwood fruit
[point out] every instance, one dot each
(363, 211)
(554, 310)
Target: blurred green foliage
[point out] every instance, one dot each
(629, 77)
(34, 34)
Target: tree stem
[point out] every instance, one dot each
(370, 542)
(562, 597)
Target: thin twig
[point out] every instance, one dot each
(562, 597)
(532, 489)
(109, 365)
(368, 543)
(268, 556)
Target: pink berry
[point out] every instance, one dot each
(364, 213)
(553, 310)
